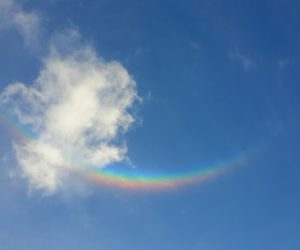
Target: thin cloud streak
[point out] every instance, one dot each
(247, 63)
(12, 15)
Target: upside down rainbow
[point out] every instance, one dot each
(136, 179)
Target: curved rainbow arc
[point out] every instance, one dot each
(140, 180)
(133, 180)
(144, 182)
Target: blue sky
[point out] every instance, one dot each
(180, 85)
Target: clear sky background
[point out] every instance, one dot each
(217, 79)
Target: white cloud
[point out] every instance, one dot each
(13, 16)
(79, 107)
(247, 63)
(283, 63)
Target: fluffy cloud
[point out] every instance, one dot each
(27, 23)
(78, 108)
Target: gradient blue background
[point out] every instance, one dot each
(202, 104)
